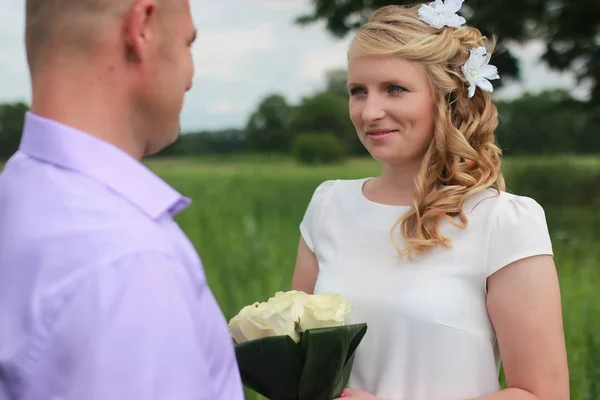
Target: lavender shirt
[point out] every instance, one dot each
(102, 297)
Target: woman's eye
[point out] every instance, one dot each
(355, 91)
(396, 89)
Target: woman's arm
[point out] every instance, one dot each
(306, 269)
(525, 308)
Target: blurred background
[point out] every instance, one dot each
(267, 121)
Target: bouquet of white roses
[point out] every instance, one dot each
(296, 346)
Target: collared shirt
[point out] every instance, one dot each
(102, 296)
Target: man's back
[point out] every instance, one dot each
(101, 294)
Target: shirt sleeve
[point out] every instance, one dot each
(128, 332)
(519, 230)
(310, 221)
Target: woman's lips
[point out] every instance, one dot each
(380, 134)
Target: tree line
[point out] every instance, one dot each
(318, 128)
(552, 122)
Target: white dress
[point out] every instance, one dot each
(429, 334)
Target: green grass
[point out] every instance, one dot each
(244, 223)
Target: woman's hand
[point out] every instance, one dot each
(356, 395)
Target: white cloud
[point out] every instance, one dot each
(316, 63)
(537, 76)
(14, 74)
(286, 5)
(528, 51)
(226, 107)
(222, 53)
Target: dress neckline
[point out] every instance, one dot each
(370, 203)
(365, 212)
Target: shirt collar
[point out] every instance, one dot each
(66, 147)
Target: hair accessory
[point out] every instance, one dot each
(477, 71)
(442, 13)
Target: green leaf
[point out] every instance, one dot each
(317, 368)
(271, 366)
(329, 354)
(343, 380)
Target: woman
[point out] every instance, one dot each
(450, 272)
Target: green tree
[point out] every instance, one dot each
(223, 141)
(551, 122)
(317, 148)
(337, 81)
(325, 112)
(570, 29)
(12, 117)
(268, 127)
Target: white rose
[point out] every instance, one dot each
(262, 320)
(240, 327)
(324, 310)
(296, 299)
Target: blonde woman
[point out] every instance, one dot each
(451, 273)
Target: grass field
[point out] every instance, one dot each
(244, 223)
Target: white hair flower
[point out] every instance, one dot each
(440, 14)
(477, 71)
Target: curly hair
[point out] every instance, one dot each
(462, 158)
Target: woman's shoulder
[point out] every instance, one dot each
(505, 211)
(502, 201)
(515, 227)
(322, 201)
(328, 187)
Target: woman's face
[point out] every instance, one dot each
(391, 107)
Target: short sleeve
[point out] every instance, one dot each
(518, 230)
(310, 222)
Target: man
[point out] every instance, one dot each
(102, 297)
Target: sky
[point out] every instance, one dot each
(246, 50)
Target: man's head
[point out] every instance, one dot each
(133, 53)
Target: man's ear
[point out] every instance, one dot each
(138, 28)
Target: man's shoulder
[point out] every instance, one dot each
(26, 182)
(55, 194)
(48, 207)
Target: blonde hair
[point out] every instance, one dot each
(462, 158)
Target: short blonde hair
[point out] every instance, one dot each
(462, 158)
